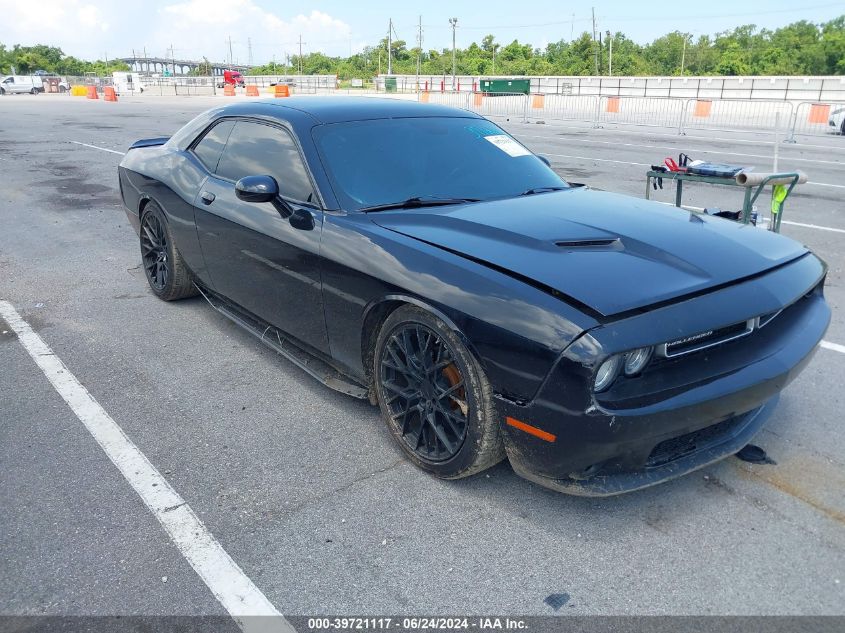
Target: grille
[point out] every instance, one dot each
(677, 447)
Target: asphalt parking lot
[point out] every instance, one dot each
(302, 486)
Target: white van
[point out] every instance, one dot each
(126, 83)
(19, 84)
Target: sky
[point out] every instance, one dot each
(95, 29)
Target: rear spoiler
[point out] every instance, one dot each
(150, 142)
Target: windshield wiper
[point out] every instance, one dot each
(418, 202)
(531, 192)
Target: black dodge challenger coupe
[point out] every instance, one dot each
(419, 256)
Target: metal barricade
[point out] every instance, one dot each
(814, 118)
(644, 111)
(735, 115)
(560, 107)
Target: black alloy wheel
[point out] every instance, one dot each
(154, 251)
(425, 392)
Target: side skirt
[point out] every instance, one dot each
(284, 345)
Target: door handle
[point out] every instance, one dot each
(207, 197)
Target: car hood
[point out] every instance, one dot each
(609, 252)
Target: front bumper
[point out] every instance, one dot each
(691, 417)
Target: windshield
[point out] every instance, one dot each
(385, 161)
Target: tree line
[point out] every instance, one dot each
(27, 59)
(800, 48)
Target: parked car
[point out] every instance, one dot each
(419, 256)
(837, 120)
(21, 84)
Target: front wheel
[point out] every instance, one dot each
(167, 274)
(34, 91)
(434, 396)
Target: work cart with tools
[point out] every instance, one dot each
(752, 183)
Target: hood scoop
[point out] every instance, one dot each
(588, 243)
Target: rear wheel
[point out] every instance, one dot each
(434, 396)
(166, 273)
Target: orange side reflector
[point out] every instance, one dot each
(538, 101)
(612, 104)
(703, 107)
(819, 113)
(532, 430)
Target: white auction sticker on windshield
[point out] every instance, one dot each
(508, 145)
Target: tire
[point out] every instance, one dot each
(34, 91)
(842, 127)
(166, 272)
(435, 399)
(2, 91)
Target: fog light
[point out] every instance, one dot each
(607, 373)
(636, 360)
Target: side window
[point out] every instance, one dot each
(208, 150)
(255, 149)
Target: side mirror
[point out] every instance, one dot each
(545, 160)
(257, 189)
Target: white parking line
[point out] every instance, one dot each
(104, 149)
(232, 588)
(651, 133)
(836, 347)
(668, 176)
(690, 150)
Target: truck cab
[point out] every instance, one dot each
(232, 78)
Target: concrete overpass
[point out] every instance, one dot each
(176, 66)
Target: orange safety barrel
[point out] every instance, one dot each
(281, 91)
(109, 94)
(92, 92)
(229, 90)
(252, 90)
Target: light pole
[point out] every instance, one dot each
(495, 46)
(609, 54)
(683, 55)
(454, 23)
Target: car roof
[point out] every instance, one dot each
(330, 109)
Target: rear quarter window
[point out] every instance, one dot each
(211, 145)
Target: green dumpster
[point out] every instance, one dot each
(390, 84)
(511, 86)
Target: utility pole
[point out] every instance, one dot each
(389, 46)
(595, 48)
(249, 49)
(454, 23)
(419, 51)
(683, 55)
(172, 60)
(609, 54)
(300, 53)
(495, 46)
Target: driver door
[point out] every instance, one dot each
(255, 256)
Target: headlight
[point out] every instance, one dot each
(636, 360)
(607, 373)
